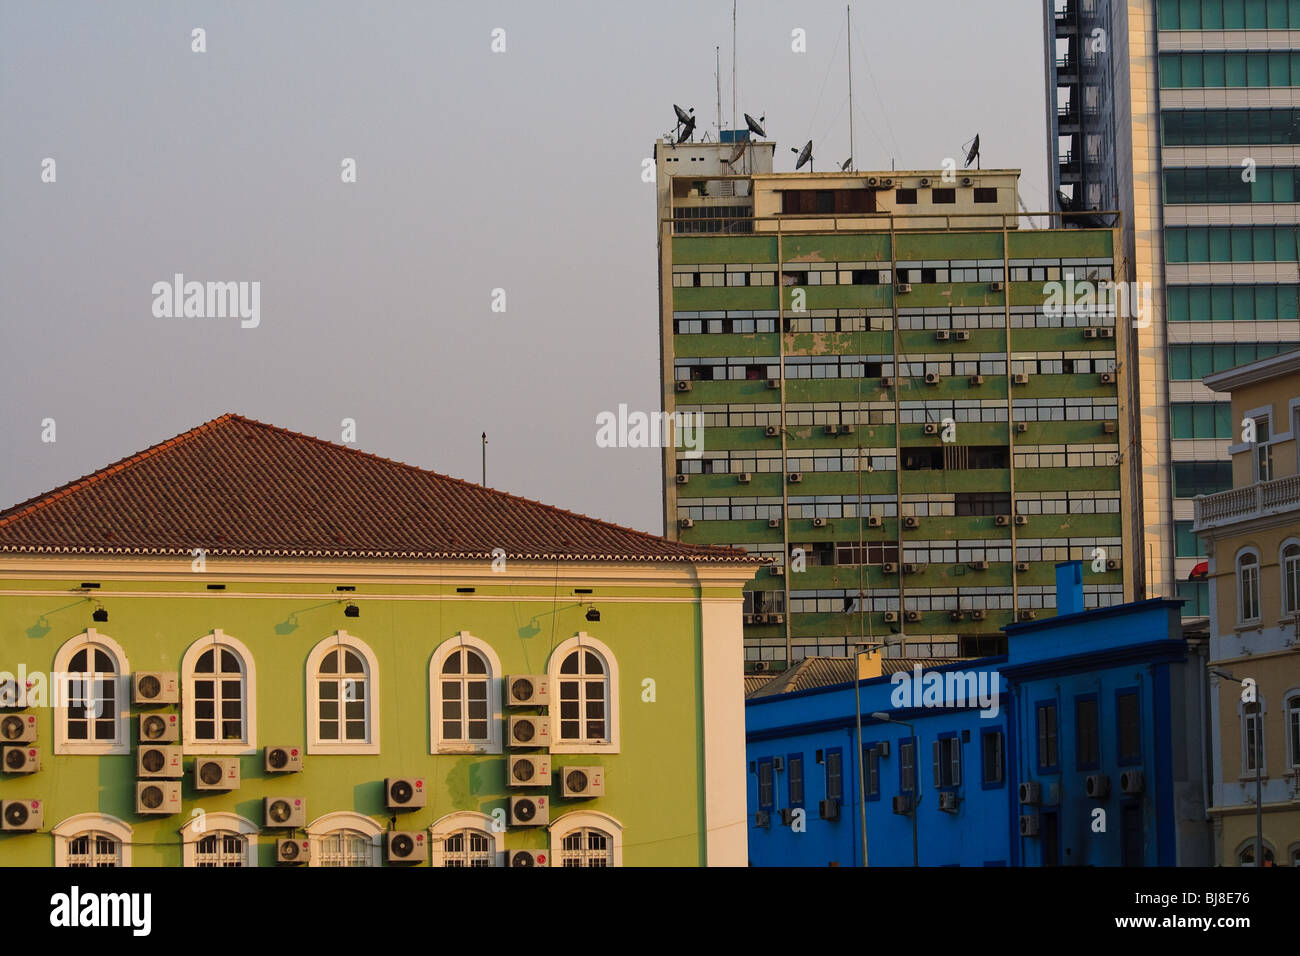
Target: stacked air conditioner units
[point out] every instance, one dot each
(531, 732)
(20, 755)
(158, 766)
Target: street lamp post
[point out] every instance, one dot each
(857, 712)
(916, 776)
(1252, 707)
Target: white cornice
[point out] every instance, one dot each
(1275, 366)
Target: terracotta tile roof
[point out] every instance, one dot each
(235, 486)
(814, 672)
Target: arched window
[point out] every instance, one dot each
(1290, 561)
(1247, 587)
(342, 697)
(584, 692)
(219, 707)
(585, 838)
(92, 839)
(91, 696)
(1246, 853)
(219, 839)
(345, 838)
(1292, 699)
(465, 839)
(1254, 736)
(465, 697)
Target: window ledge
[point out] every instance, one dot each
(1255, 625)
(326, 749)
(212, 747)
(460, 748)
(573, 747)
(89, 750)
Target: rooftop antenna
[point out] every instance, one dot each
(805, 156)
(848, 15)
(485, 459)
(733, 64)
(717, 75)
(973, 155)
(685, 122)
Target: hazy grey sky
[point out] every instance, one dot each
(475, 171)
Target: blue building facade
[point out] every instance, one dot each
(1084, 745)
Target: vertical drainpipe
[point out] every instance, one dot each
(785, 489)
(898, 433)
(1011, 410)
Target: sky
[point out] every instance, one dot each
(476, 170)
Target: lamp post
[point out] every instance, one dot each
(916, 775)
(857, 713)
(1252, 707)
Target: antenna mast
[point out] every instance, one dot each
(733, 64)
(717, 75)
(848, 16)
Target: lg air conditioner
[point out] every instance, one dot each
(159, 761)
(159, 728)
(22, 759)
(282, 759)
(216, 773)
(18, 729)
(529, 811)
(158, 797)
(528, 690)
(525, 858)
(290, 812)
(401, 846)
(532, 770)
(292, 850)
(155, 687)
(405, 793)
(22, 815)
(582, 781)
(530, 731)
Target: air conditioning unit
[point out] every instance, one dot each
(776, 619)
(961, 335)
(1031, 793)
(931, 378)
(887, 382)
(685, 522)
(1029, 824)
(291, 850)
(846, 429)
(407, 793)
(889, 568)
(529, 811)
(787, 816)
(530, 732)
(158, 797)
(873, 521)
(955, 615)
(925, 181)
(948, 801)
(911, 521)
(1002, 520)
(582, 781)
(1020, 378)
(1027, 615)
(762, 819)
(749, 618)
(1022, 427)
(913, 616)
(1132, 781)
(1022, 565)
(903, 803)
(978, 614)
(886, 181)
(1107, 333)
(12, 695)
(528, 690)
(931, 428)
(1109, 428)
(819, 522)
(683, 386)
(1097, 785)
(744, 478)
(288, 812)
(162, 761)
(401, 846)
(942, 335)
(774, 383)
(873, 181)
(776, 570)
(159, 728)
(891, 617)
(18, 729)
(996, 286)
(771, 431)
(774, 522)
(26, 759)
(216, 773)
(796, 477)
(683, 479)
(913, 568)
(19, 815)
(1113, 564)
(282, 759)
(965, 180)
(1107, 378)
(979, 565)
(533, 770)
(976, 380)
(1089, 333)
(1022, 519)
(903, 287)
(829, 809)
(525, 857)
(155, 687)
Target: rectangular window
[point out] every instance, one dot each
(1263, 450)
(834, 774)
(1047, 742)
(870, 770)
(905, 197)
(1196, 595)
(944, 197)
(795, 779)
(1128, 721)
(1192, 478)
(1252, 745)
(766, 790)
(907, 765)
(1186, 543)
(947, 762)
(985, 194)
(1087, 732)
(991, 749)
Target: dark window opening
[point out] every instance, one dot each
(985, 194)
(905, 197)
(945, 197)
(974, 503)
(981, 645)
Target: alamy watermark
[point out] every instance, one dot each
(179, 299)
(955, 688)
(624, 429)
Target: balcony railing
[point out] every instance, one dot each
(1253, 501)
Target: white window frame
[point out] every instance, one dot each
(371, 744)
(218, 639)
(452, 823)
(611, 744)
(347, 820)
(1282, 560)
(1239, 581)
(1261, 728)
(1249, 844)
(437, 743)
(212, 824)
(1291, 726)
(580, 819)
(83, 823)
(62, 658)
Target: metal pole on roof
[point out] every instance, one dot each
(485, 459)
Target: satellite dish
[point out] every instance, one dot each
(685, 122)
(756, 125)
(736, 153)
(974, 151)
(682, 115)
(805, 156)
(846, 164)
